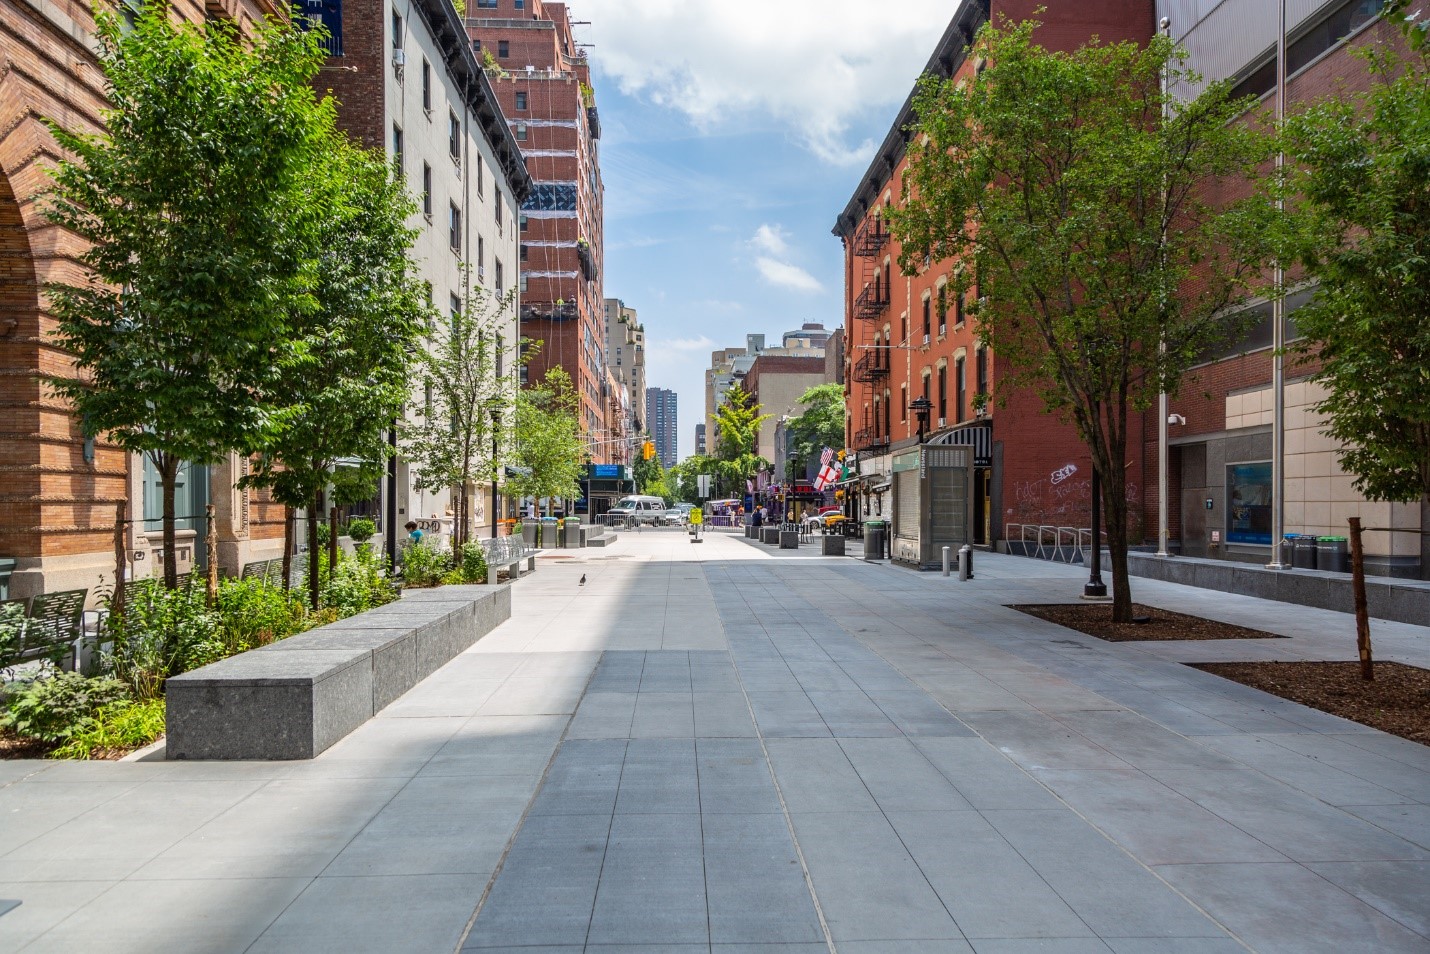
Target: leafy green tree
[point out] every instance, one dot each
(465, 400)
(738, 423)
(1360, 167)
(349, 371)
(548, 439)
(191, 207)
(650, 477)
(820, 426)
(1103, 268)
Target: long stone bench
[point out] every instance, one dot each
(298, 696)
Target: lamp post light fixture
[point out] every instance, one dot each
(1094, 588)
(921, 406)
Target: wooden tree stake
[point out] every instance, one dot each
(1367, 666)
(211, 539)
(121, 562)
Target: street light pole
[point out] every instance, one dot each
(496, 426)
(1095, 588)
(1163, 454)
(1278, 334)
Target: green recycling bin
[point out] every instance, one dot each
(875, 533)
(1333, 553)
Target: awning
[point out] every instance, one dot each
(978, 435)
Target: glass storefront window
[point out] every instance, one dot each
(1248, 503)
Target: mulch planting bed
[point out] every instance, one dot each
(1397, 701)
(15, 747)
(1095, 619)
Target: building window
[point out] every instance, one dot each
(943, 309)
(521, 4)
(928, 319)
(959, 376)
(958, 312)
(521, 132)
(427, 190)
(1248, 503)
(980, 364)
(942, 392)
(496, 207)
(454, 228)
(501, 347)
(486, 4)
(522, 221)
(521, 99)
(503, 49)
(481, 177)
(481, 258)
(523, 251)
(455, 304)
(396, 30)
(427, 86)
(397, 149)
(501, 285)
(454, 136)
(521, 283)
(477, 47)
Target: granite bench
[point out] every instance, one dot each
(296, 697)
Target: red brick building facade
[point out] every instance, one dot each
(545, 93)
(906, 337)
(58, 491)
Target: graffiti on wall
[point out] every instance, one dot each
(1061, 499)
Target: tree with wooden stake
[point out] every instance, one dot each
(548, 439)
(463, 372)
(188, 203)
(1074, 186)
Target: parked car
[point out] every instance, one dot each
(636, 510)
(677, 517)
(826, 519)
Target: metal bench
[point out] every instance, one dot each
(510, 554)
(48, 626)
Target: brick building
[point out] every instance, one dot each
(1219, 474)
(625, 356)
(407, 81)
(544, 88)
(775, 382)
(905, 337)
(59, 491)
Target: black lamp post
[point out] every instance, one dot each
(921, 406)
(1095, 588)
(496, 426)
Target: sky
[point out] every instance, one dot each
(733, 133)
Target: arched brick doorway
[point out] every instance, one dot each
(19, 389)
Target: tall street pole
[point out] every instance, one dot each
(1278, 324)
(1163, 455)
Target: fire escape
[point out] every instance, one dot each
(870, 305)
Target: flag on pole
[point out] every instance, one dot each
(827, 456)
(828, 474)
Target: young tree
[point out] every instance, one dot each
(821, 425)
(348, 373)
(191, 207)
(548, 439)
(1103, 268)
(468, 398)
(738, 422)
(1360, 167)
(650, 477)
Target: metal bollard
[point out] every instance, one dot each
(947, 556)
(965, 562)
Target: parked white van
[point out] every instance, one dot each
(638, 510)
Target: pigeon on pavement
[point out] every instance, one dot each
(583, 580)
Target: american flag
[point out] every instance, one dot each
(827, 456)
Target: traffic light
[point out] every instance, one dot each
(648, 450)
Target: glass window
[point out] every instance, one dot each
(397, 148)
(958, 386)
(427, 86)
(1248, 503)
(454, 228)
(503, 48)
(396, 30)
(426, 190)
(521, 132)
(454, 136)
(520, 100)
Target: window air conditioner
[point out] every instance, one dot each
(399, 58)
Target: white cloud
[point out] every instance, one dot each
(787, 275)
(771, 239)
(814, 66)
(699, 343)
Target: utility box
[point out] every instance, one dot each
(933, 503)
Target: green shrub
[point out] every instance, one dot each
(118, 726)
(472, 563)
(252, 613)
(161, 633)
(12, 628)
(359, 583)
(423, 564)
(361, 529)
(54, 708)
(323, 534)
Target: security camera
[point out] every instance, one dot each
(1176, 419)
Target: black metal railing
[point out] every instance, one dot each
(871, 367)
(872, 302)
(871, 238)
(870, 439)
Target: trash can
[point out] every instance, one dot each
(1288, 549)
(571, 533)
(874, 533)
(1333, 553)
(528, 533)
(1303, 552)
(547, 538)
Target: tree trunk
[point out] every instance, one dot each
(121, 561)
(1425, 537)
(168, 477)
(288, 545)
(315, 512)
(1114, 507)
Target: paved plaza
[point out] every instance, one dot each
(727, 748)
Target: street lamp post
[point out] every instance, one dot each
(496, 426)
(1095, 588)
(921, 406)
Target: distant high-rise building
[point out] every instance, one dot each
(660, 418)
(700, 438)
